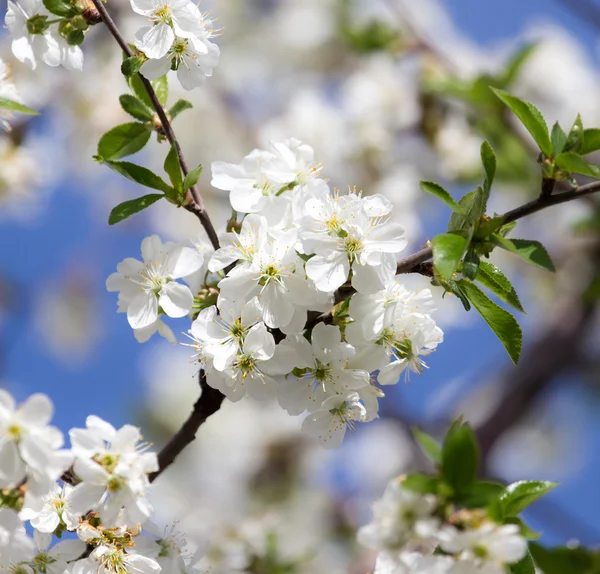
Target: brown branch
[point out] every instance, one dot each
(208, 404)
(194, 203)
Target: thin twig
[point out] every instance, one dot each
(195, 204)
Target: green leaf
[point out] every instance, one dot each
(526, 532)
(559, 139)
(123, 140)
(192, 178)
(519, 495)
(516, 62)
(470, 265)
(575, 137)
(488, 158)
(161, 87)
(135, 107)
(448, 250)
(455, 288)
(430, 447)
(574, 163)
(473, 206)
(524, 566)
(501, 321)
(421, 483)
(480, 494)
(493, 279)
(173, 168)
(530, 117)
(533, 252)
(128, 208)
(562, 560)
(75, 38)
(140, 175)
(139, 91)
(17, 107)
(131, 65)
(178, 107)
(460, 457)
(591, 141)
(62, 8)
(438, 191)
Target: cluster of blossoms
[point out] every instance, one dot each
(98, 489)
(8, 91)
(273, 325)
(415, 535)
(177, 38)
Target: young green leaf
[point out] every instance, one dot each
(455, 288)
(501, 321)
(470, 265)
(123, 140)
(519, 495)
(131, 66)
(128, 208)
(139, 91)
(524, 566)
(430, 447)
(421, 483)
(591, 141)
(140, 175)
(516, 62)
(493, 279)
(178, 107)
(192, 178)
(448, 250)
(530, 117)
(460, 457)
(562, 560)
(17, 107)
(533, 252)
(526, 531)
(575, 137)
(161, 87)
(173, 168)
(488, 158)
(62, 8)
(574, 163)
(481, 493)
(558, 138)
(135, 107)
(473, 206)
(438, 191)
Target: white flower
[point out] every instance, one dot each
(55, 560)
(490, 545)
(329, 423)
(145, 288)
(110, 560)
(345, 236)
(114, 471)
(159, 326)
(30, 44)
(193, 66)
(412, 563)
(400, 518)
(15, 545)
(245, 374)
(241, 247)
(47, 512)
(28, 445)
(321, 369)
(8, 91)
(276, 277)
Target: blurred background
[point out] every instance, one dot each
(388, 92)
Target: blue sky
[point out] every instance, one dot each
(109, 384)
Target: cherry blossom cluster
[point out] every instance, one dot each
(97, 489)
(269, 320)
(177, 38)
(413, 535)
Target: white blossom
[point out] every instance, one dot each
(55, 559)
(8, 91)
(15, 544)
(46, 513)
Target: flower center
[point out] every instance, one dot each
(15, 432)
(352, 246)
(162, 13)
(115, 483)
(245, 364)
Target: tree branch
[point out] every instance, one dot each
(194, 203)
(208, 404)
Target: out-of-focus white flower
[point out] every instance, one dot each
(413, 563)
(55, 560)
(8, 91)
(15, 544)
